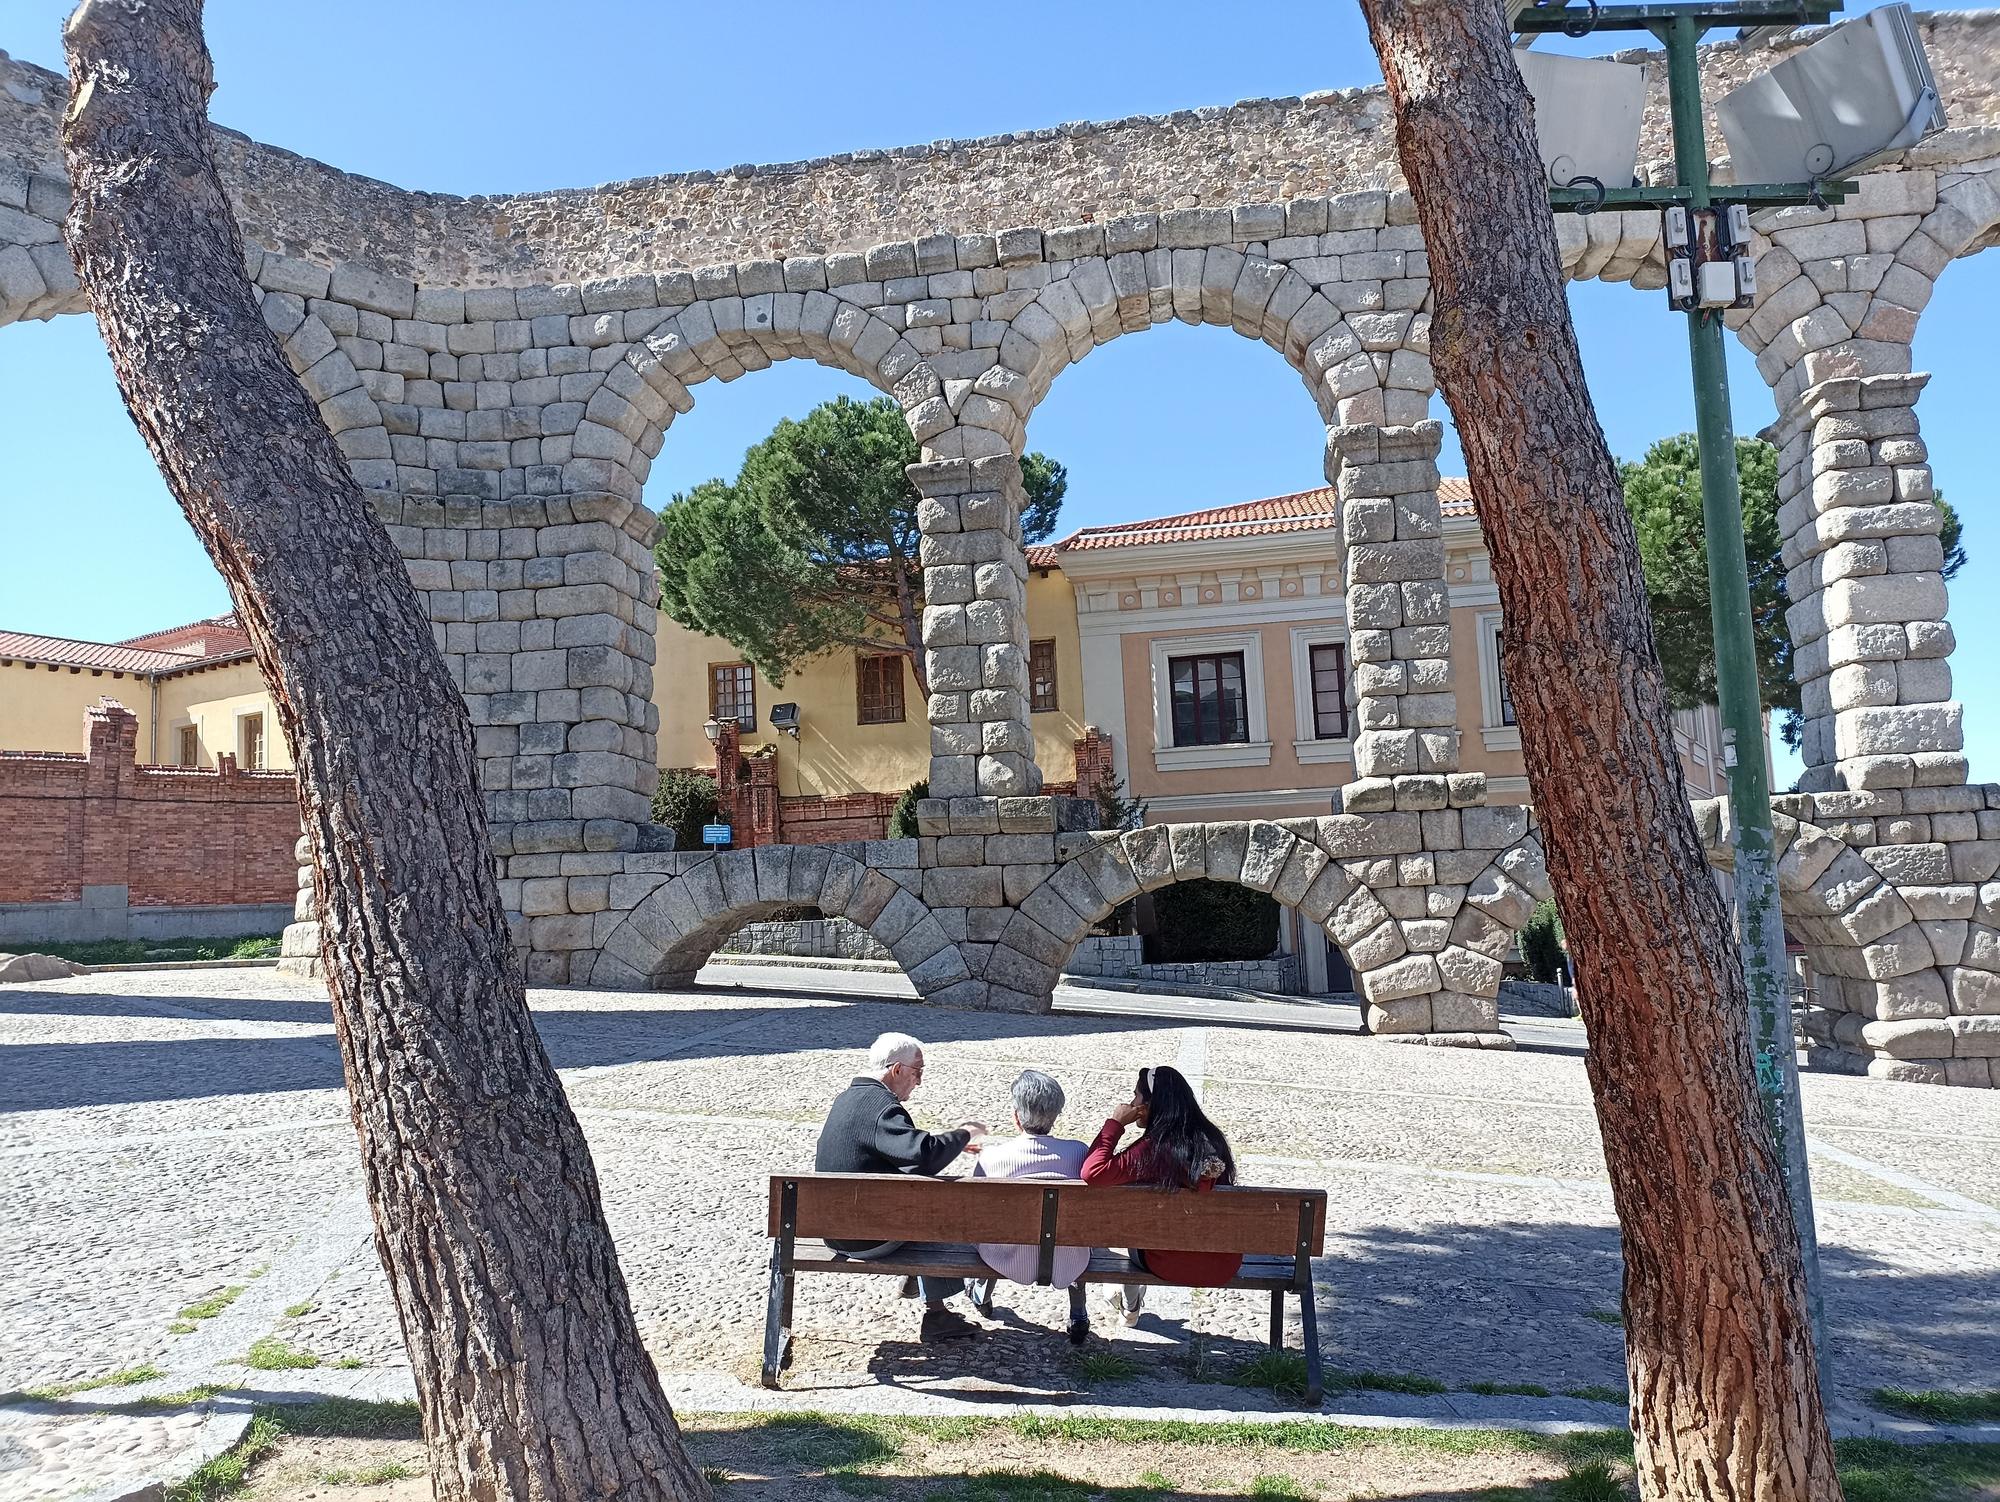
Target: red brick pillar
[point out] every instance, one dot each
(111, 742)
(1094, 767)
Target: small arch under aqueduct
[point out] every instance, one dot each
(500, 373)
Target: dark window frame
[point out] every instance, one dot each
(1500, 680)
(886, 705)
(1042, 656)
(1190, 722)
(741, 693)
(1341, 729)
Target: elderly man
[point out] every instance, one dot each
(1035, 1154)
(868, 1130)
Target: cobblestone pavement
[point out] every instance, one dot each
(181, 1180)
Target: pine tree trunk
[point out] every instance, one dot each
(528, 1365)
(1725, 1398)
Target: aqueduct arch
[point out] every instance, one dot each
(501, 371)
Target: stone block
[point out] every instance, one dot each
(1151, 855)
(1412, 975)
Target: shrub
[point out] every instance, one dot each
(684, 801)
(1542, 944)
(1213, 920)
(903, 817)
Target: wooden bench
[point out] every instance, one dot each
(1277, 1232)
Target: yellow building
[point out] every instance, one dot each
(861, 722)
(195, 689)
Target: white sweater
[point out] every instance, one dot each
(1033, 1155)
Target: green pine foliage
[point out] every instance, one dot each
(1542, 944)
(1663, 494)
(684, 801)
(903, 817)
(814, 545)
(1212, 920)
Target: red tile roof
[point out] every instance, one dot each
(111, 656)
(1455, 496)
(207, 638)
(1305, 511)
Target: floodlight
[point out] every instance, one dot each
(785, 717)
(1861, 90)
(1587, 116)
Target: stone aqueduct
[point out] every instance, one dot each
(501, 371)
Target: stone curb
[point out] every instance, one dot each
(270, 964)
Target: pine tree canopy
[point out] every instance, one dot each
(1663, 493)
(813, 547)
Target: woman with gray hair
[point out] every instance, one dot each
(1035, 1154)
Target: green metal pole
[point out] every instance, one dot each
(1759, 923)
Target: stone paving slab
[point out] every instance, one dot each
(165, 1138)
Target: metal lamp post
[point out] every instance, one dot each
(1759, 923)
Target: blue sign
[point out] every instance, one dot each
(715, 834)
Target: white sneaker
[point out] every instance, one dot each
(1125, 1303)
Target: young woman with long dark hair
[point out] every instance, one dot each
(1180, 1149)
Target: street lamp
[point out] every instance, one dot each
(712, 728)
(1862, 90)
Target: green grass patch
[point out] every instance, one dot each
(124, 1377)
(350, 1418)
(1876, 1470)
(1606, 1317)
(350, 1363)
(211, 1306)
(187, 1397)
(1938, 1406)
(1509, 1389)
(271, 1354)
(1403, 1382)
(301, 1308)
(1105, 1366)
(1594, 1481)
(141, 951)
(182, 1327)
(1279, 1486)
(1596, 1394)
(373, 1475)
(225, 1474)
(1282, 1373)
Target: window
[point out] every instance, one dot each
(1208, 707)
(1329, 691)
(1041, 676)
(190, 747)
(250, 743)
(878, 690)
(1500, 677)
(732, 693)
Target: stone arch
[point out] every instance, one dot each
(1896, 935)
(670, 933)
(1362, 351)
(1427, 952)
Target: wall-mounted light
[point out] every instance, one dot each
(712, 728)
(785, 717)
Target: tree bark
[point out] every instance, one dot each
(528, 1365)
(1725, 1398)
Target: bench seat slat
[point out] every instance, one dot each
(944, 1260)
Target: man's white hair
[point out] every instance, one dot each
(892, 1049)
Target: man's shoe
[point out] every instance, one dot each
(942, 1325)
(907, 1289)
(1079, 1331)
(980, 1292)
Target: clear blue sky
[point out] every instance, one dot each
(467, 97)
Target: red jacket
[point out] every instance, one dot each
(1106, 1165)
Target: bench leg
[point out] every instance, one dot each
(1309, 1330)
(778, 1320)
(1277, 1319)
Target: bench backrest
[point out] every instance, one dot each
(1056, 1212)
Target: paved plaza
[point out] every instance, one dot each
(168, 1137)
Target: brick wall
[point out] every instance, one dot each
(173, 836)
